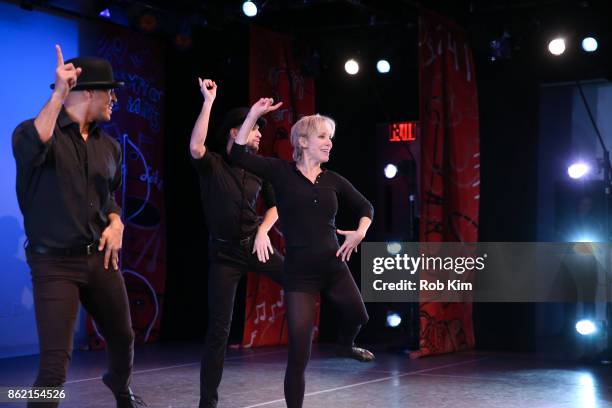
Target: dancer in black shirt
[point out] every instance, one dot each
(307, 198)
(68, 170)
(238, 242)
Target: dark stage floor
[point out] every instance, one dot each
(166, 375)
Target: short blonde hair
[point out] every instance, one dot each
(308, 126)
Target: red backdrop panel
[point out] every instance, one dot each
(450, 177)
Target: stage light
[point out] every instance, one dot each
(105, 13)
(557, 46)
(393, 247)
(585, 237)
(393, 319)
(589, 44)
(383, 66)
(390, 171)
(249, 9)
(586, 327)
(578, 170)
(351, 67)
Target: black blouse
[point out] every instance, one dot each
(307, 211)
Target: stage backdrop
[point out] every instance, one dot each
(450, 157)
(274, 72)
(28, 39)
(137, 125)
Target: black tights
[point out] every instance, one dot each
(346, 299)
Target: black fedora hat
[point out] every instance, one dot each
(233, 119)
(96, 73)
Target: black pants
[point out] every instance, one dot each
(59, 283)
(228, 264)
(344, 296)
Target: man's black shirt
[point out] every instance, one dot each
(229, 197)
(66, 186)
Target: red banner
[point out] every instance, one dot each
(450, 158)
(274, 72)
(137, 124)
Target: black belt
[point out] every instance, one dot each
(74, 251)
(242, 242)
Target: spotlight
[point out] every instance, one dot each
(351, 67)
(105, 13)
(586, 327)
(390, 171)
(383, 66)
(585, 237)
(393, 319)
(589, 44)
(249, 9)
(578, 170)
(557, 46)
(393, 248)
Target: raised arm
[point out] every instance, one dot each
(264, 167)
(200, 129)
(32, 138)
(259, 108)
(65, 79)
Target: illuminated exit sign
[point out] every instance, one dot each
(403, 132)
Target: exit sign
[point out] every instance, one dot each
(403, 132)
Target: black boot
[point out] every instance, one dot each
(204, 403)
(125, 398)
(357, 353)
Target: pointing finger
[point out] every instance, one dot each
(60, 57)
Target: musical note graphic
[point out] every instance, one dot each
(253, 335)
(272, 318)
(260, 316)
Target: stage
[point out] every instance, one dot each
(167, 375)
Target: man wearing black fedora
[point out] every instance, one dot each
(68, 170)
(238, 242)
